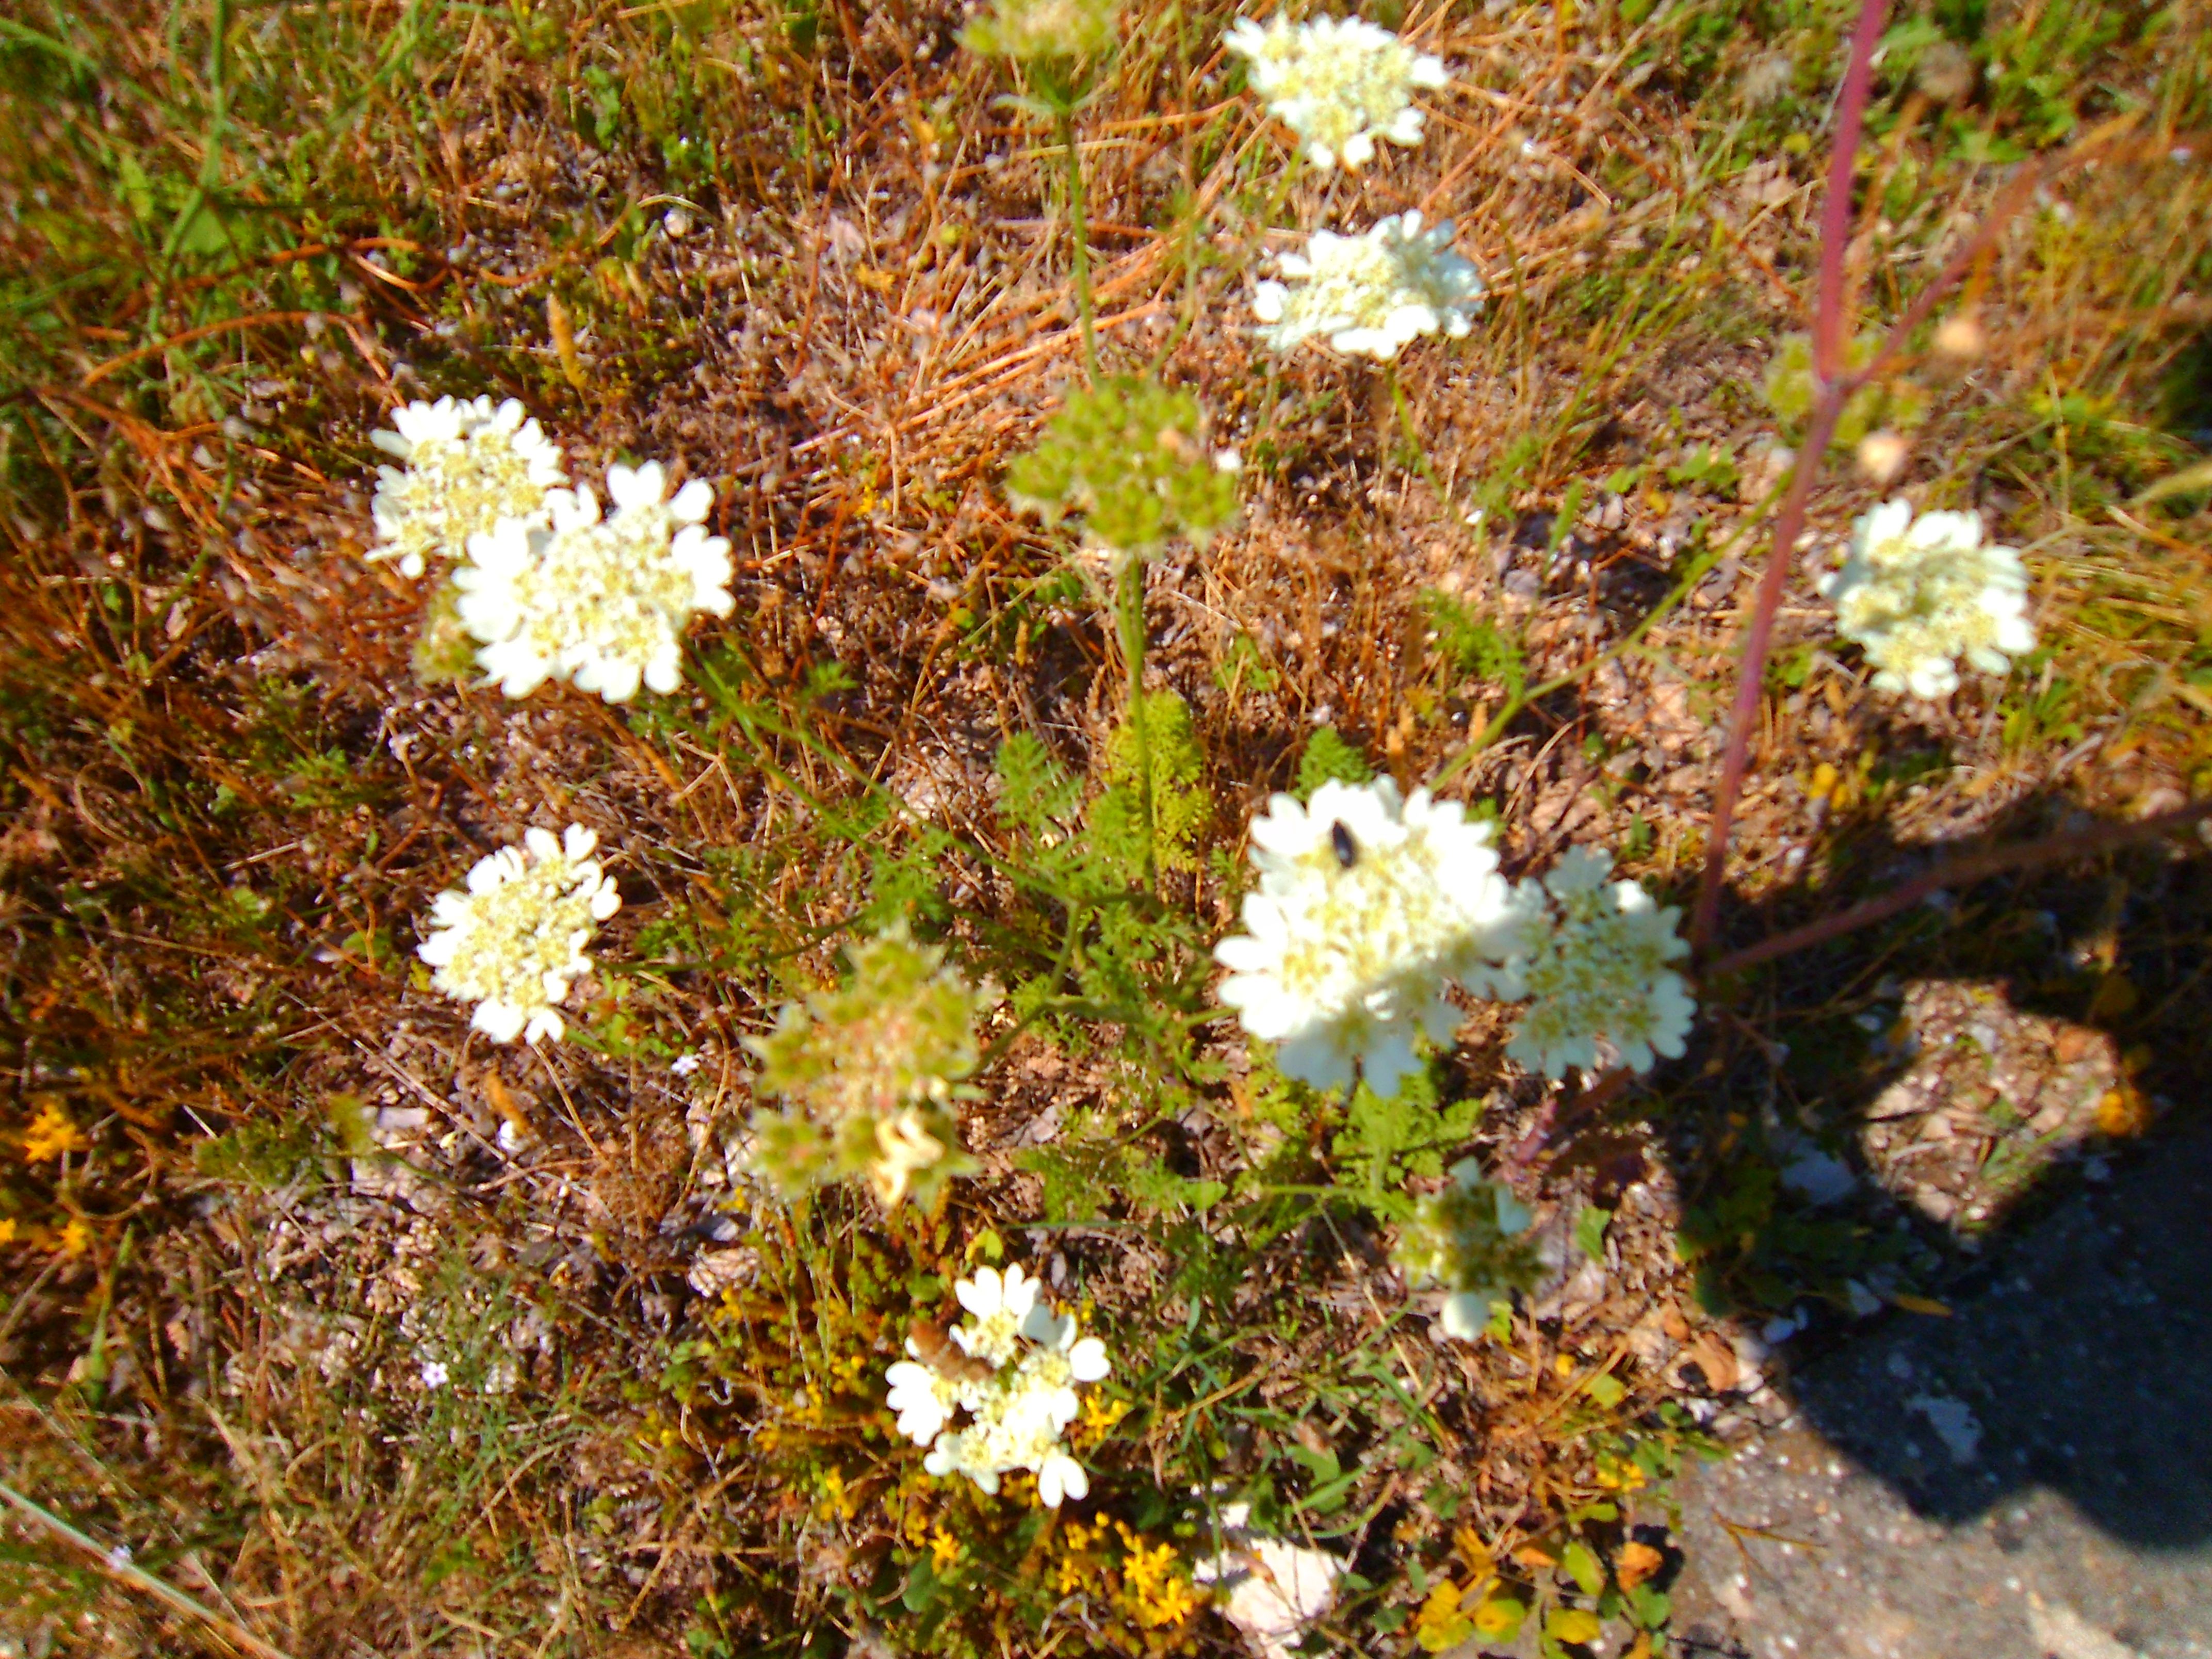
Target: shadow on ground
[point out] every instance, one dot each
(2030, 1472)
(2031, 1476)
(2082, 1363)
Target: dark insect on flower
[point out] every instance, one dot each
(1341, 843)
(936, 1349)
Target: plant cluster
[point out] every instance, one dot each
(962, 904)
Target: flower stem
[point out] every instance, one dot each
(1129, 617)
(1963, 871)
(1421, 463)
(1836, 386)
(1080, 231)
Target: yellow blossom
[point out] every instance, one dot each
(1100, 1418)
(8, 1230)
(1158, 1589)
(1442, 1623)
(944, 1550)
(77, 1238)
(52, 1134)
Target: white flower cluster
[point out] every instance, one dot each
(1594, 970)
(1014, 1376)
(1367, 905)
(601, 602)
(469, 465)
(1370, 295)
(1465, 1239)
(1339, 84)
(1916, 594)
(513, 942)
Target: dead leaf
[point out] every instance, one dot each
(1714, 1360)
(1637, 1562)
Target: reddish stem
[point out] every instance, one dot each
(1836, 211)
(1961, 871)
(1751, 677)
(1834, 388)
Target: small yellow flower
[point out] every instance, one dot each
(52, 1134)
(1157, 1589)
(1100, 1418)
(77, 1238)
(8, 1230)
(1442, 1623)
(944, 1550)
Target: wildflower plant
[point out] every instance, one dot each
(469, 466)
(601, 601)
(1593, 966)
(868, 1073)
(1034, 31)
(1921, 595)
(1471, 1239)
(1369, 904)
(1370, 295)
(1011, 1385)
(513, 941)
(1339, 83)
(1128, 456)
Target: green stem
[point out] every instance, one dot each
(1080, 230)
(1414, 439)
(1129, 616)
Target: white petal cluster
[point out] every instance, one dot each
(600, 602)
(1370, 295)
(1459, 1238)
(1346, 961)
(1594, 968)
(468, 467)
(1017, 1389)
(514, 940)
(1339, 84)
(1917, 594)
(1277, 1590)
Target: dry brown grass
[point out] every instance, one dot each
(229, 799)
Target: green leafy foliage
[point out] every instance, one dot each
(1896, 402)
(1328, 758)
(1383, 1140)
(1472, 645)
(1181, 808)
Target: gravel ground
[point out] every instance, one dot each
(2030, 1477)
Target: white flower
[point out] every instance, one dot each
(1339, 84)
(1060, 1476)
(1916, 594)
(516, 939)
(1277, 1590)
(469, 466)
(1366, 905)
(1595, 973)
(600, 602)
(999, 1306)
(1015, 1409)
(435, 1373)
(1369, 295)
(923, 1400)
